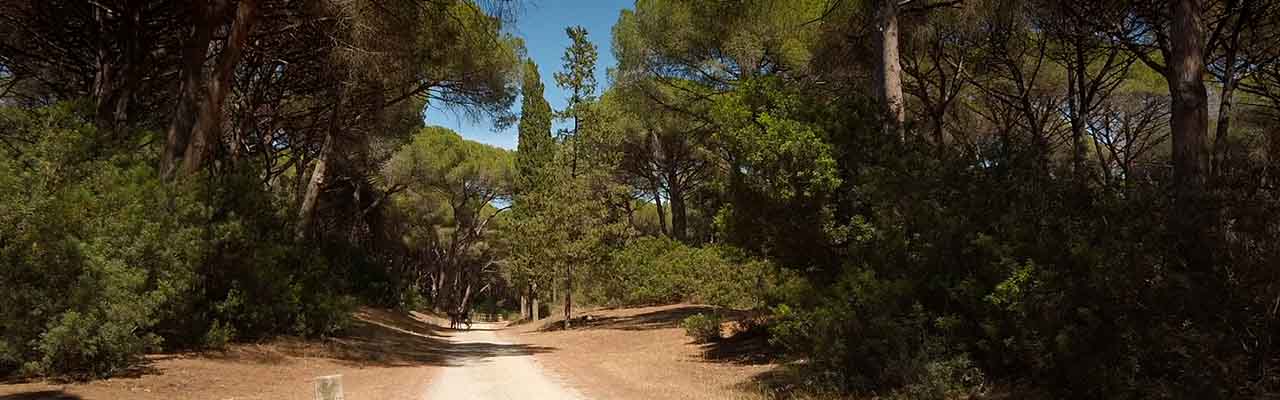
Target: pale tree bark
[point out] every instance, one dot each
(198, 115)
(307, 210)
(1242, 12)
(533, 301)
(1078, 107)
(524, 304)
(1189, 121)
(208, 125)
(889, 71)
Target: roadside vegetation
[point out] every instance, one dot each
(919, 199)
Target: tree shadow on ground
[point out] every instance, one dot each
(376, 338)
(747, 347)
(387, 339)
(784, 382)
(748, 344)
(659, 319)
(144, 366)
(41, 395)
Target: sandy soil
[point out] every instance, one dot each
(490, 368)
(389, 356)
(642, 353)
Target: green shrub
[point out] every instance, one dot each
(702, 328)
(103, 261)
(866, 334)
(93, 250)
(661, 270)
(218, 336)
(950, 378)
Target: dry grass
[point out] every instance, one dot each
(642, 353)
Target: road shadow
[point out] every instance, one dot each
(389, 339)
(376, 338)
(41, 395)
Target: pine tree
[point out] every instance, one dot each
(536, 148)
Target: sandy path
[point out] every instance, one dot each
(490, 369)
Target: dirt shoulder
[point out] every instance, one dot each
(640, 353)
(387, 356)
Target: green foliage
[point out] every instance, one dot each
(451, 190)
(94, 251)
(457, 45)
(579, 69)
(536, 148)
(714, 42)
(702, 328)
(784, 155)
(441, 161)
(660, 270)
(866, 334)
(783, 173)
(561, 230)
(104, 261)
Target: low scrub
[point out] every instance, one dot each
(703, 328)
(661, 270)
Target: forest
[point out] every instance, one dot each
(916, 199)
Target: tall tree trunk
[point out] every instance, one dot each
(466, 298)
(889, 70)
(1076, 103)
(679, 214)
(208, 125)
(656, 147)
(939, 129)
(306, 212)
(662, 214)
(194, 49)
(524, 304)
(1229, 83)
(568, 295)
(1189, 121)
(118, 75)
(1223, 128)
(533, 301)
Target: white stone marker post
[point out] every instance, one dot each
(329, 387)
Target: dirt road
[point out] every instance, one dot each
(486, 368)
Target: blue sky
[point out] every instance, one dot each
(541, 23)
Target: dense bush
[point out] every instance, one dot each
(1074, 289)
(94, 252)
(703, 328)
(651, 270)
(103, 261)
(868, 334)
